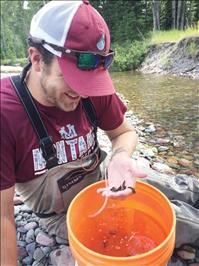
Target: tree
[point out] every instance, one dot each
(173, 17)
(156, 14)
(178, 8)
(180, 15)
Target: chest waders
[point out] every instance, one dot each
(49, 195)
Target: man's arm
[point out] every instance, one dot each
(8, 231)
(123, 138)
(122, 170)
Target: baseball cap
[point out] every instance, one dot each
(75, 25)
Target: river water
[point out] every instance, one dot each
(171, 103)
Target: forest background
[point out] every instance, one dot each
(132, 25)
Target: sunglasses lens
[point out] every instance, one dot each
(86, 61)
(89, 61)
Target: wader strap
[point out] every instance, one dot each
(45, 141)
(90, 112)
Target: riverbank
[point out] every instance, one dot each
(180, 59)
(36, 247)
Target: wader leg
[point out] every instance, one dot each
(183, 191)
(56, 226)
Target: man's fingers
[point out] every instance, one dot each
(106, 192)
(136, 171)
(139, 174)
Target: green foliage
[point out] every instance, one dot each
(165, 63)
(192, 49)
(127, 20)
(129, 55)
(19, 61)
(173, 35)
(15, 23)
(165, 14)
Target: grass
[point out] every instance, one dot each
(16, 61)
(173, 35)
(192, 49)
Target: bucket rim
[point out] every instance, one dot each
(135, 257)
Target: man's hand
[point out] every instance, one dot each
(122, 174)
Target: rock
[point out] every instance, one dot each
(21, 223)
(162, 168)
(21, 251)
(196, 156)
(31, 249)
(148, 153)
(18, 218)
(196, 163)
(150, 129)
(162, 141)
(163, 148)
(38, 254)
(27, 261)
(45, 240)
(186, 172)
(21, 229)
(172, 160)
(17, 210)
(62, 256)
(60, 240)
(30, 236)
(25, 208)
(21, 243)
(179, 141)
(31, 225)
(46, 250)
(37, 231)
(184, 162)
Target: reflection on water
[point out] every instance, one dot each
(169, 101)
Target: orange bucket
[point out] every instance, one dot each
(139, 230)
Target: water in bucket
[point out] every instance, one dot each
(139, 230)
(120, 232)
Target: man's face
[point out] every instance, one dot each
(55, 91)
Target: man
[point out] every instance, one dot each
(69, 53)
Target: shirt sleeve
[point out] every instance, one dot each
(110, 111)
(7, 155)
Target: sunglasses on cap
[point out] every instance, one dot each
(86, 60)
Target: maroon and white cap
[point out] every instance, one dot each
(75, 25)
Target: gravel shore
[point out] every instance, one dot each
(34, 245)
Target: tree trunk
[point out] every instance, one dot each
(173, 14)
(156, 14)
(179, 13)
(182, 22)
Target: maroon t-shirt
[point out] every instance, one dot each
(21, 156)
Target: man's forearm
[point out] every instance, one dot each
(8, 242)
(125, 142)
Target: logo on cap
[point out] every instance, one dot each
(101, 43)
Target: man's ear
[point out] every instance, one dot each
(35, 58)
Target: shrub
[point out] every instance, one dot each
(14, 61)
(192, 49)
(129, 56)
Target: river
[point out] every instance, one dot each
(171, 103)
